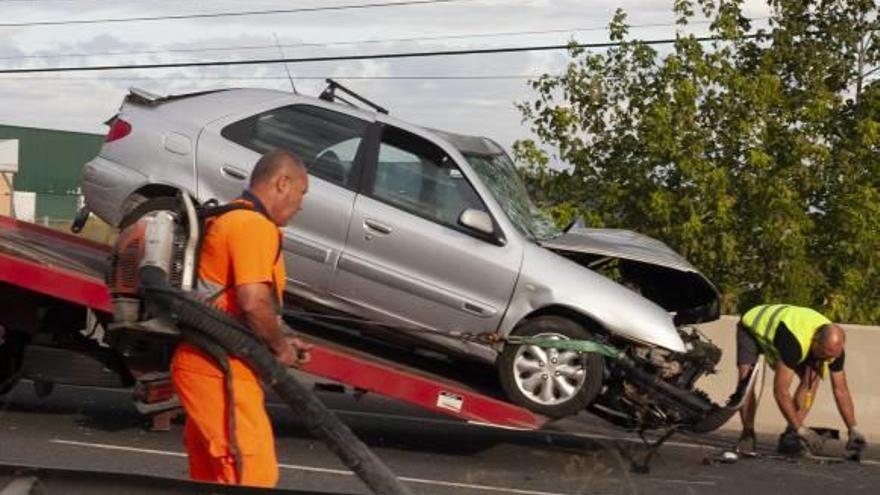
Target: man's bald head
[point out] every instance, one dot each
(829, 341)
(280, 180)
(274, 163)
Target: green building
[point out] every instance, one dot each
(49, 165)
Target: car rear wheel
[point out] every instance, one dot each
(550, 381)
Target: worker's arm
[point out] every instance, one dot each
(257, 305)
(843, 398)
(782, 393)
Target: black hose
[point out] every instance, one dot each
(238, 341)
(683, 400)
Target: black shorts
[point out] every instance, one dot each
(747, 350)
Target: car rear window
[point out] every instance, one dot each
(326, 141)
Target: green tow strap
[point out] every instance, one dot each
(572, 345)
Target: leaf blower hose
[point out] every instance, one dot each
(203, 321)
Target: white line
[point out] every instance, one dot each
(476, 487)
(419, 419)
(116, 447)
(296, 467)
(595, 436)
(682, 482)
(384, 415)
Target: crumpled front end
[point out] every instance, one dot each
(646, 266)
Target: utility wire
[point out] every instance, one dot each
(213, 15)
(274, 78)
(339, 58)
(343, 43)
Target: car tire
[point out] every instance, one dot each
(555, 383)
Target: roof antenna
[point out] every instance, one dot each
(286, 68)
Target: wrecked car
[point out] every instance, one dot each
(432, 235)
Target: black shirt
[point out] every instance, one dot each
(790, 351)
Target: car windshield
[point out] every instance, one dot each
(499, 175)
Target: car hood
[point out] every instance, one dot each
(645, 265)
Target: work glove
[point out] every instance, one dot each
(811, 439)
(856, 442)
(746, 442)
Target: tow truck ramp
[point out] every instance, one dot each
(42, 266)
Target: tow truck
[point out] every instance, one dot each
(54, 305)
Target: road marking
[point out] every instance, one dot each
(419, 419)
(476, 487)
(682, 482)
(296, 467)
(116, 447)
(349, 412)
(594, 436)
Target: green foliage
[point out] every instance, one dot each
(754, 155)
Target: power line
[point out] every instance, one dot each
(212, 15)
(278, 78)
(343, 43)
(575, 29)
(340, 58)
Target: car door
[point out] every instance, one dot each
(407, 258)
(328, 142)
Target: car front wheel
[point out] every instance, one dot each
(549, 381)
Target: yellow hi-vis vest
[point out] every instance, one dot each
(763, 321)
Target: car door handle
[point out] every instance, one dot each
(373, 225)
(233, 173)
(478, 309)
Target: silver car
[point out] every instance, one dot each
(429, 233)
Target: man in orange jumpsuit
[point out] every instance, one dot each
(241, 270)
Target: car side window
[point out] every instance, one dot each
(326, 141)
(419, 177)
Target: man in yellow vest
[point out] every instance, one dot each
(794, 340)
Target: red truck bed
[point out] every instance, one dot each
(69, 268)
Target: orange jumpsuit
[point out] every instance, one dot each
(239, 247)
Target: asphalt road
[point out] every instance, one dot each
(99, 430)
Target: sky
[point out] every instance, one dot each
(82, 101)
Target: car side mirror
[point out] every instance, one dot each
(477, 220)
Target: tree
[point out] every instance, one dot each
(754, 155)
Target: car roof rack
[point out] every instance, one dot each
(329, 94)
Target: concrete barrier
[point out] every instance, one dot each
(862, 348)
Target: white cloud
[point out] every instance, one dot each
(475, 106)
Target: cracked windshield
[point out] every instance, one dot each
(439, 247)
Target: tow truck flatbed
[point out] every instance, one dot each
(69, 269)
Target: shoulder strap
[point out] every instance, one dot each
(210, 209)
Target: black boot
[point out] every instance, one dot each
(790, 443)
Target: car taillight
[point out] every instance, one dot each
(118, 130)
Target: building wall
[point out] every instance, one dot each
(5, 196)
(8, 165)
(50, 163)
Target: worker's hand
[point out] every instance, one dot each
(811, 439)
(746, 442)
(856, 441)
(294, 352)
